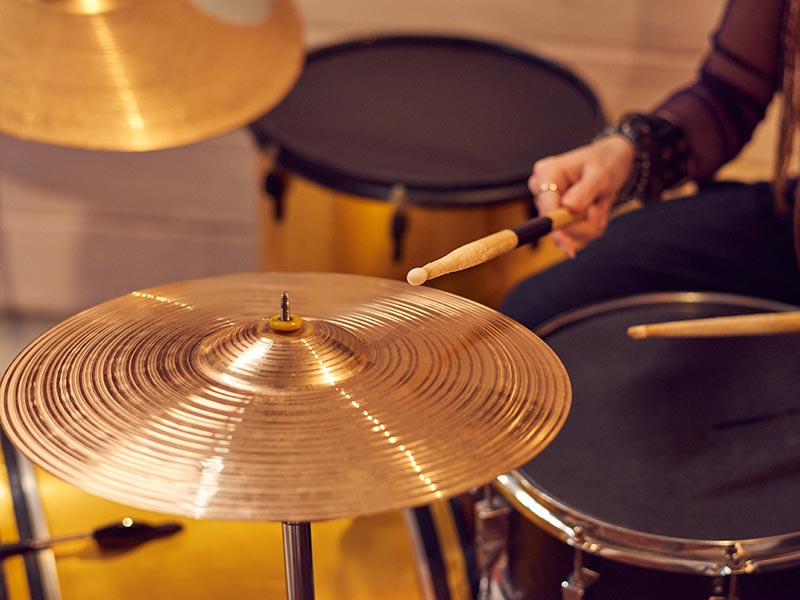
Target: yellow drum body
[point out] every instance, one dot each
(368, 558)
(391, 152)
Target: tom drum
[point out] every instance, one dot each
(392, 151)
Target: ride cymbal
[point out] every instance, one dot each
(135, 75)
(183, 400)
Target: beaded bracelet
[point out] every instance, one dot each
(661, 155)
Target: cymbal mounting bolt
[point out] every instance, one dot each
(285, 307)
(285, 321)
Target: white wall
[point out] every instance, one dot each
(78, 227)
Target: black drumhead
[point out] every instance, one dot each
(688, 438)
(438, 115)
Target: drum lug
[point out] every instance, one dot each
(724, 588)
(576, 586)
(399, 225)
(725, 585)
(274, 182)
(581, 578)
(275, 188)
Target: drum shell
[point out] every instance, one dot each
(540, 562)
(325, 230)
(660, 560)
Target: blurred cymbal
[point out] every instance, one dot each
(180, 399)
(135, 75)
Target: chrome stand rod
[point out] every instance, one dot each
(298, 561)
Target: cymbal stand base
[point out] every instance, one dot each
(298, 562)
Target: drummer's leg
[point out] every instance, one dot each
(725, 239)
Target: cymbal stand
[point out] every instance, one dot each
(297, 559)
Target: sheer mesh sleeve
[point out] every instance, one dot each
(735, 84)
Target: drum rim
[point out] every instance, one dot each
(344, 180)
(595, 536)
(684, 297)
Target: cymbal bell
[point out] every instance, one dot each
(182, 399)
(135, 75)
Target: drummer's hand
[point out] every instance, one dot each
(587, 179)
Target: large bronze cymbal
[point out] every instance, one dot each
(135, 75)
(181, 399)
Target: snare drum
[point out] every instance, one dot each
(392, 151)
(677, 474)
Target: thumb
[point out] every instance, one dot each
(580, 196)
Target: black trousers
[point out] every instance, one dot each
(724, 239)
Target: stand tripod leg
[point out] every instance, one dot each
(298, 561)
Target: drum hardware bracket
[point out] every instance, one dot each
(275, 188)
(724, 586)
(581, 578)
(576, 585)
(492, 515)
(398, 197)
(719, 588)
(274, 183)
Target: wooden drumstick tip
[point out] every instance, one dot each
(637, 332)
(417, 276)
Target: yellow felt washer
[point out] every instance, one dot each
(293, 324)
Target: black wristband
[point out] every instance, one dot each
(661, 155)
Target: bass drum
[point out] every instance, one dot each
(393, 556)
(392, 151)
(676, 474)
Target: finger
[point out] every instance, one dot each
(541, 183)
(546, 196)
(549, 178)
(585, 192)
(592, 225)
(563, 242)
(600, 212)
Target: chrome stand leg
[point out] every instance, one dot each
(298, 561)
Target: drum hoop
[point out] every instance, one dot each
(490, 191)
(684, 555)
(497, 192)
(684, 297)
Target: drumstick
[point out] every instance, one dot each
(740, 325)
(492, 246)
